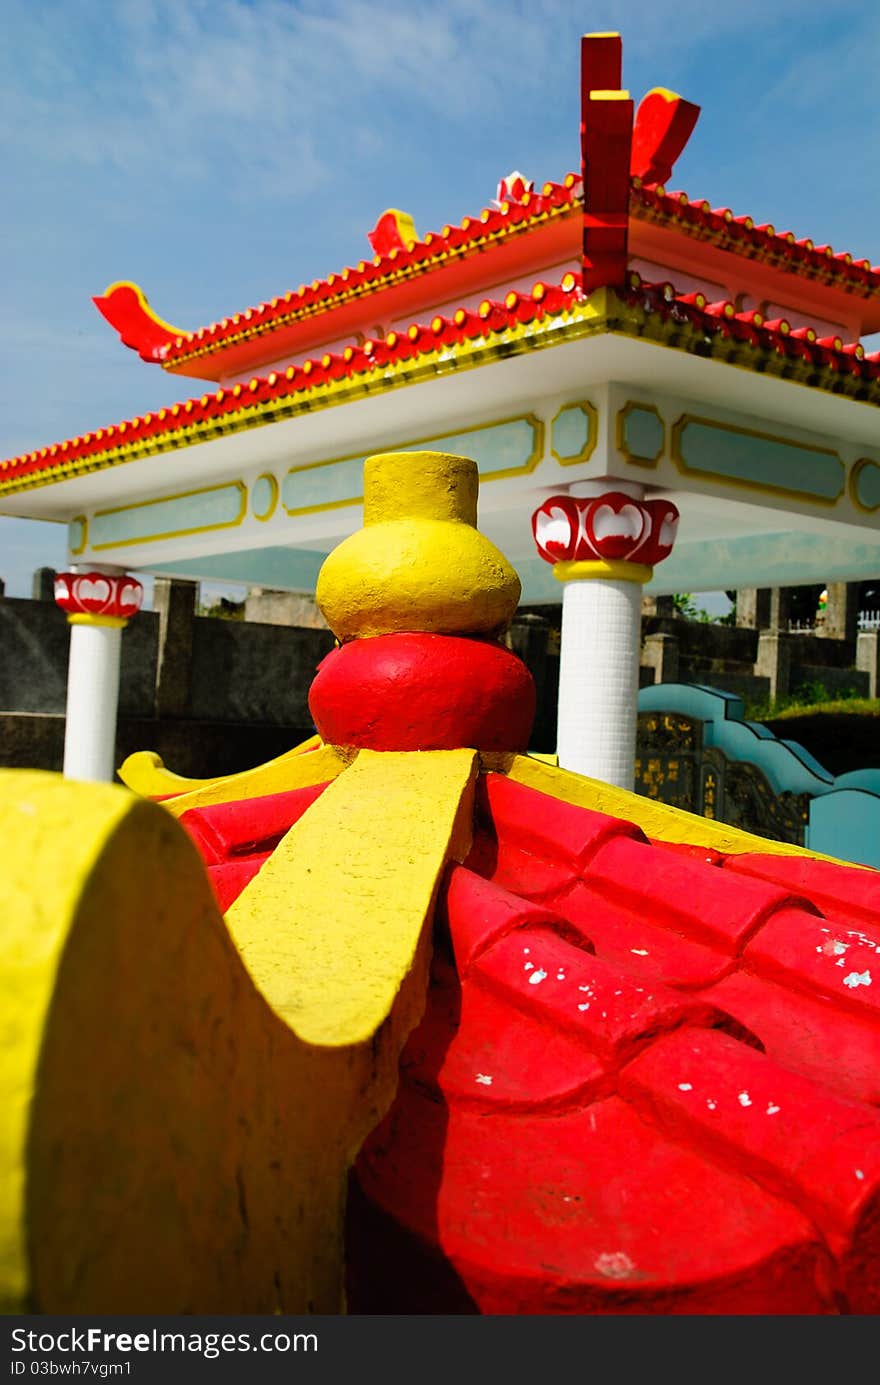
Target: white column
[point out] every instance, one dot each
(603, 541)
(599, 678)
(92, 699)
(98, 603)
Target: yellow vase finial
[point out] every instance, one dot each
(419, 563)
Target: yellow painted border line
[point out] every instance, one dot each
(591, 414)
(857, 468)
(603, 311)
(744, 483)
(525, 468)
(659, 821)
(173, 533)
(623, 414)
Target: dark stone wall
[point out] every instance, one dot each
(253, 672)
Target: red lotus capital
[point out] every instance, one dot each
(613, 527)
(98, 594)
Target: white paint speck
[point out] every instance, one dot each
(618, 992)
(585, 1006)
(857, 979)
(537, 977)
(527, 950)
(744, 1099)
(833, 948)
(859, 1174)
(771, 1109)
(528, 966)
(614, 1265)
(560, 975)
(685, 1087)
(639, 951)
(484, 1079)
(584, 988)
(711, 1104)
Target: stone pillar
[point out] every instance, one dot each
(774, 662)
(175, 602)
(43, 584)
(661, 653)
(602, 543)
(98, 603)
(780, 608)
(753, 607)
(763, 608)
(266, 606)
(842, 611)
(868, 659)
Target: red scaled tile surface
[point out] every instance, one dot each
(644, 1084)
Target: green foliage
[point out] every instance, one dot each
(811, 699)
(686, 607)
(222, 609)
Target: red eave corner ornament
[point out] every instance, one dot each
(395, 230)
(124, 305)
(614, 150)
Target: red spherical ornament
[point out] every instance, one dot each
(423, 692)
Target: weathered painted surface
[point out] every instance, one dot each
(179, 1114)
(646, 1082)
(333, 946)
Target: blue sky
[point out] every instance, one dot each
(220, 152)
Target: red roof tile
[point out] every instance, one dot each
(687, 322)
(651, 1090)
(477, 234)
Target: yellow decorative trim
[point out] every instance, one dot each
(721, 478)
(525, 469)
(589, 448)
(144, 772)
(291, 771)
(84, 543)
(394, 276)
(851, 484)
(620, 434)
(611, 569)
(657, 820)
(173, 533)
(273, 503)
(111, 622)
(144, 304)
(602, 312)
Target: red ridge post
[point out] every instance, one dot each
(606, 147)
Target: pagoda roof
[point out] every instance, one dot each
(617, 1009)
(499, 233)
(549, 314)
(606, 250)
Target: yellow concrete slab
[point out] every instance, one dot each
(337, 919)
